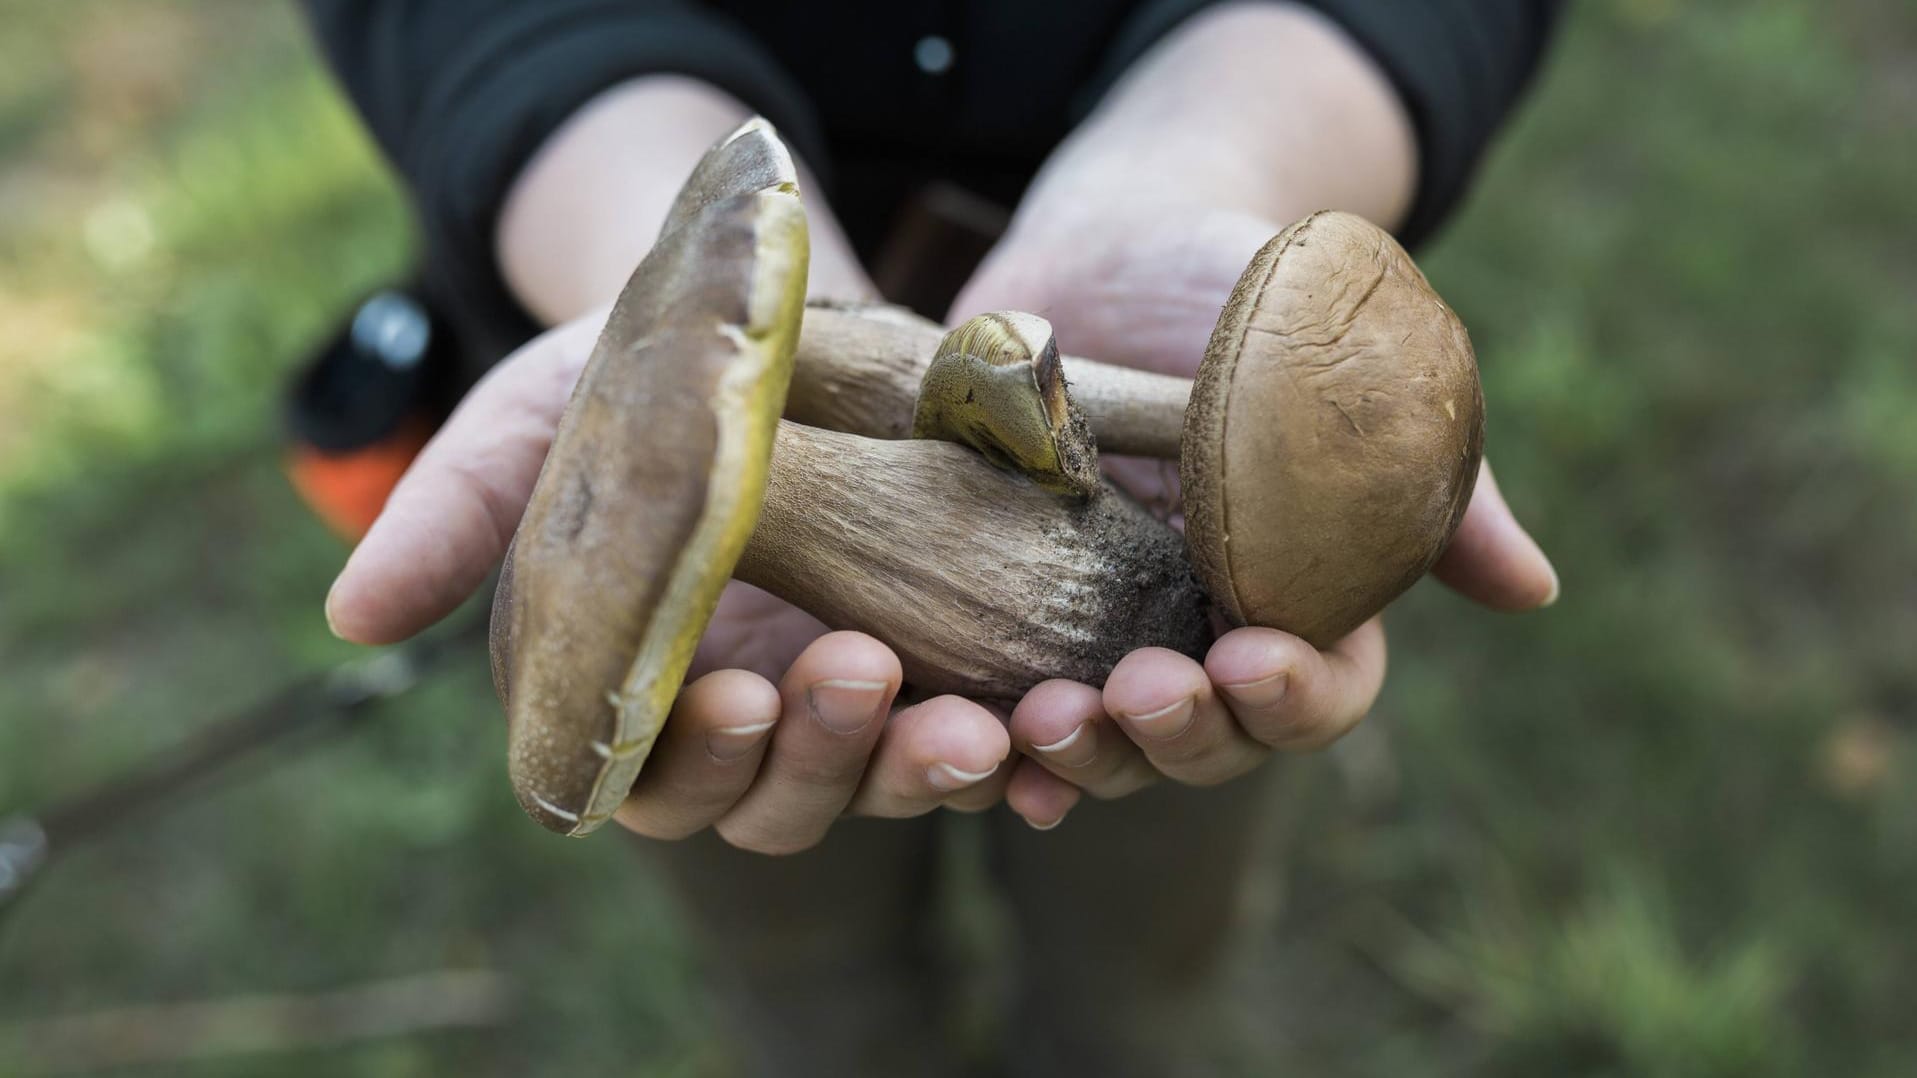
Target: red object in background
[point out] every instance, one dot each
(364, 406)
(347, 489)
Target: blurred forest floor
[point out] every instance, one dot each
(1668, 827)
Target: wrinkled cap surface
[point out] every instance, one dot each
(1333, 435)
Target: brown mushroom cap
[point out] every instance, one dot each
(652, 487)
(1333, 435)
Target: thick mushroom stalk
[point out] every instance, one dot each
(984, 582)
(1327, 447)
(671, 469)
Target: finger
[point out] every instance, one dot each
(835, 697)
(1165, 703)
(986, 793)
(990, 791)
(1291, 696)
(1063, 725)
(1492, 559)
(706, 757)
(449, 519)
(930, 752)
(1041, 798)
(754, 630)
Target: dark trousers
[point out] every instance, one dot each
(1118, 931)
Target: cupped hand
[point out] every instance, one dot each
(782, 728)
(1143, 287)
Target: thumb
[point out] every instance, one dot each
(449, 519)
(1492, 559)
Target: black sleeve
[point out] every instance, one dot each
(459, 93)
(1458, 65)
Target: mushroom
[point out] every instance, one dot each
(1333, 435)
(997, 384)
(671, 472)
(1327, 447)
(860, 367)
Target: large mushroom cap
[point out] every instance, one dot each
(1333, 435)
(652, 486)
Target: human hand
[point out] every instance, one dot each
(782, 726)
(1246, 117)
(1143, 287)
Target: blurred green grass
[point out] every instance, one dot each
(1667, 828)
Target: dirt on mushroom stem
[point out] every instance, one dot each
(983, 582)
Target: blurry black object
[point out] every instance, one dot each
(367, 401)
(394, 359)
(935, 244)
(329, 700)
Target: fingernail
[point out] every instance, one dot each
(1264, 692)
(1036, 826)
(731, 742)
(945, 777)
(1552, 596)
(1075, 749)
(331, 625)
(1166, 722)
(846, 707)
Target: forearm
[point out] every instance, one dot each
(1249, 116)
(589, 204)
(1265, 109)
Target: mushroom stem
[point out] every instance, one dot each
(1326, 450)
(983, 582)
(859, 369)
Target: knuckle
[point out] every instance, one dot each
(976, 799)
(771, 842)
(647, 822)
(835, 771)
(1215, 770)
(1192, 750)
(1310, 731)
(1121, 783)
(887, 801)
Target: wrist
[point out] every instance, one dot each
(589, 204)
(1268, 109)
(1139, 286)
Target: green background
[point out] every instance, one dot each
(1668, 827)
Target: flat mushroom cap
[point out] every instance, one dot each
(652, 486)
(1333, 435)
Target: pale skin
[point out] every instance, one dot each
(1128, 242)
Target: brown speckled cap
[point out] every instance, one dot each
(1333, 435)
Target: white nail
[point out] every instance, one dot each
(946, 777)
(1167, 722)
(1065, 742)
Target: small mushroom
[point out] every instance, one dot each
(860, 368)
(997, 385)
(671, 472)
(1327, 447)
